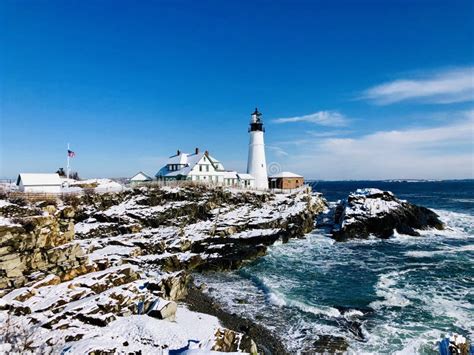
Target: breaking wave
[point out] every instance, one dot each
(403, 294)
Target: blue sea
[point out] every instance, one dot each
(402, 294)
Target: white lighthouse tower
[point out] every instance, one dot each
(256, 164)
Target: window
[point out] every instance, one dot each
(207, 167)
(200, 167)
(297, 181)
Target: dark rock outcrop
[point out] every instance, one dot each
(379, 213)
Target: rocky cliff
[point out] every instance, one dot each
(37, 240)
(115, 284)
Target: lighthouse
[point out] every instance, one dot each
(256, 164)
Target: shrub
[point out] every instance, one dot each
(19, 200)
(71, 200)
(18, 335)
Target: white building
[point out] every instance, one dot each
(233, 178)
(256, 163)
(140, 177)
(201, 167)
(42, 183)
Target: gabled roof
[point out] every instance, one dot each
(286, 174)
(29, 179)
(180, 158)
(189, 161)
(147, 177)
(230, 174)
(245, 176)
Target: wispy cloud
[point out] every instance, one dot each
(442, 87)
(323, 118)
(278, 151)
(440, 152)
(332, 133)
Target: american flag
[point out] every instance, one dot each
(70, 153)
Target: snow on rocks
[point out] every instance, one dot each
(137, 245)
(179, 228)
(379, 213)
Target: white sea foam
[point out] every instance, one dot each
(426, 341)
(392, 296)
(463, 200)
(353, 313)
(316, 310)
(431, 253)
(458, 222)
(276, 299)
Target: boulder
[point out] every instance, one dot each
(172, 287)
(227, 340)
(379, 213)
(162, 309)
(328, 344)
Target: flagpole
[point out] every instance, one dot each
(67, 169)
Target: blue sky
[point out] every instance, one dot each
(348, 89)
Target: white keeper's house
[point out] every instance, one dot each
(202, 167)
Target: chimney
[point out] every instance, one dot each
(197, 151)
(178, 152)
(206, 153)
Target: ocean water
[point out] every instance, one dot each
(400, 295)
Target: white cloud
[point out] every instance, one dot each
(441, 152)
(278, 151)
(443, 87)
(323, 118)
(332, 133)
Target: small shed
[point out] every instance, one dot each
(39, 183)
(140, 177)
(285, 180)
(246, 180)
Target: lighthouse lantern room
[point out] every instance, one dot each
(256, 164)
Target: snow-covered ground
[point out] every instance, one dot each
(98, 185)
(137, 242)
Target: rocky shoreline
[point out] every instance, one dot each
(85, 265)
(266, 341)
(78, 270)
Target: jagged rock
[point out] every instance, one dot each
(47, 281)
(27, 293)
(173, 287)
(227, 340)
(162, 309)
(100, 320)
(374, 212)
(328, 344)
(41, 243)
